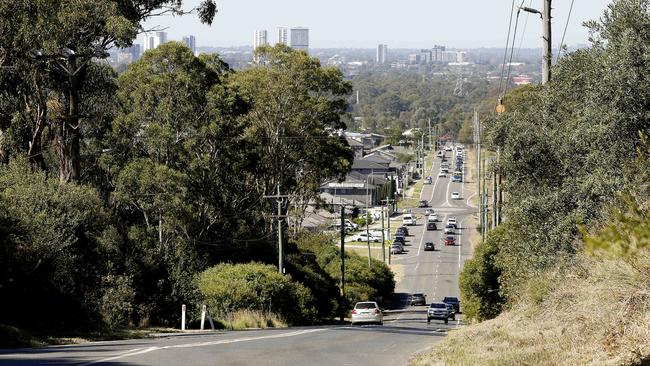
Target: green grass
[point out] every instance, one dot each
(247, 319)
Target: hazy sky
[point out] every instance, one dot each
(365, 23)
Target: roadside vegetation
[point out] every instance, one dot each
(119, 192)
(565, 279)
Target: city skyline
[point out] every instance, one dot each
(360, 25)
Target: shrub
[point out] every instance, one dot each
(257, 287)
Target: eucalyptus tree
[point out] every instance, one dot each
(47, 49)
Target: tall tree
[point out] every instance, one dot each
(46, 48)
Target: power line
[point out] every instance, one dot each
(559, 52)
(514, 37)
(523, 32)
(505, 53)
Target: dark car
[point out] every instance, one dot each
(418, 299)
(450, 240)
(423, 203)
(431, 226)
(428, 246)
(404, 229)
(399, 239)
(452, 301)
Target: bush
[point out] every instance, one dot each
(479, 281)
(257, 287)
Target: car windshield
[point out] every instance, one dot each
(438, 306)
(365, 305)
(450, 299)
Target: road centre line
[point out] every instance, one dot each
(139, 351)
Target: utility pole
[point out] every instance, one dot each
(279, 216)
(547, 56)
(342, 282)
(368, 223)
(386, 202)
(383, 237)
(494, 195)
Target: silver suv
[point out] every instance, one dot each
(438, 310)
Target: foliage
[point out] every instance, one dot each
(479, 281)
(255, 286)
(569, 148)
(625, 237)
(51, 248)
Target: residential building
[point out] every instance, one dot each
(382, 53)
(260, 38)
(300, 38)
(190, 42)
(426, 56)
(283, 35)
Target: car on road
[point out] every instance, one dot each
(409, 219)
(367, 312)
(423, 204)
(438, 311)
(448, 148)
(451, 311)
(453, 301)
(428, 180)
(455, 195)
(456, 179)
(399, 239)
(431, 226)
(449, 229)
(396, 248)
(442, 174)
(450, 240)
(428, 246)
(366, 237)
(452, 220)
(418, 299)
(403, 229)
(428, 211)
(433, 217)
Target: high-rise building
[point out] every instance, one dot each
(190, 42)
(283, 35)
(382, 53)
(151, 42)
(426, 56)
(260, 38)
(300, 39)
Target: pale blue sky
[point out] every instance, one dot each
(365, 23)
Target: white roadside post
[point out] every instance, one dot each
(183, 317)
(203, 311)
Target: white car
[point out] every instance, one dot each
(452, 220)
(408, 220)
(428, 211)
(365, 237)
(455, 195)
(432, 217)
(448, 148)
(442, 174)
(367, 312)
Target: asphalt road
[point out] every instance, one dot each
(405, 331)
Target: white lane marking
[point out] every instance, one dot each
(424, 229)
(139, 351)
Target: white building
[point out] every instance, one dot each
(190, 42)
(155, 40)
(283, 35)
(260, 38)
(382, 53)
(300, 39)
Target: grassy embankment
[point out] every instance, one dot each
(597, 315)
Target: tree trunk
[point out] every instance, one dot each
(69, 134)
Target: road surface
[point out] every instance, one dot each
(405, 331)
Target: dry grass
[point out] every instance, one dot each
(248, 319)
(597, 315)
